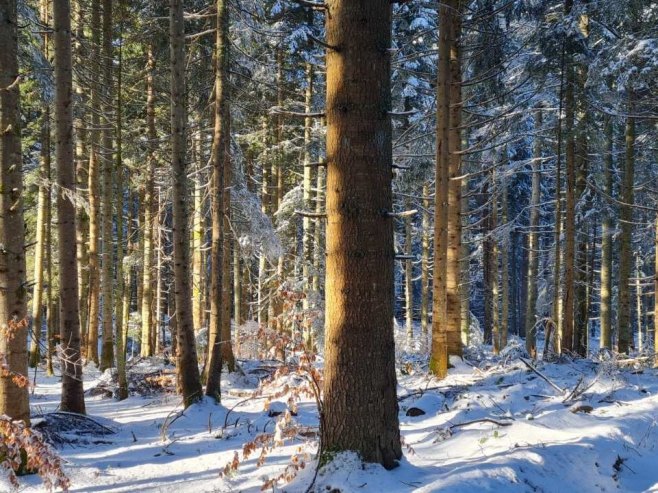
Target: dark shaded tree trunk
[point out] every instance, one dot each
(72, 391)
(187, 363)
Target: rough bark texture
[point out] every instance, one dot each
(606, 244)
(453, 264)
(439, 352)
(107, 349)
(425, 266)
(72, 392)
(624, 332)
(188, 368)
(147, 348)
(533, 244)
(220, 160)
(360, 410)
(42, 215)
(13, 303)
(93, 187)
(568, 306)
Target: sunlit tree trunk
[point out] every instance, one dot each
(408, 277)
(147, 348)
(107, 350)
(307, 222)
(188, 369)
(360, 410)
(122, 288)
(439, 352)
(42, 214)
(504, 271)
(606, 243)
(94, 186)
(13, 304)
(71, 362)
(198, 230)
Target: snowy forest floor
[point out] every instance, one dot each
(492, 425)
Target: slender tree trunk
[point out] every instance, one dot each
(533, 243)
(606, 244)
(198, 280)
(94, 186)
(122, 288)
(228, 358)
(624, 332)
(51, 308)
(359, 345)
(425, 267)
(72, 391)
(107, 350)
(82, 172)
(13, 304)
(408, 277)
(42, 205)
(638, 302)
(453, 264)
(188, 368)
(307, 222)
(504, 269)
(465, 272)
(147, 348)
(655, 297)
(220, 161)
(439, 352)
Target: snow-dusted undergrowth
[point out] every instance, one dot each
(495, 425)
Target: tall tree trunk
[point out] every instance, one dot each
(220, 161)
(425, 266)
(439, 352)
(72, 391)
(42, 215)
(453, 264)
(107, 349)
(122, 288)
(188, 368)
(81, 171)
(638, 302)
(533, 243)
(13, 304)
(198, 229)
(307, 222)
(606, 243)
(408, 277)
(94, 187)
(147, 348)
(359, 345)
(624, 332)
(568, 294)
(504, 271)
(655, 296)
(465, 271)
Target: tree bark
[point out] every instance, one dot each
(439, 352)
(107, 349)
(13, 304)
(606, 243)
(42, 205)
(533, 243)
(188, 368)
(146, 348)
(72, 391)
(425, 267)
(359, 345)
(220, 161)
(624, 332)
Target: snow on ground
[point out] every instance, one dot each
(603, 440)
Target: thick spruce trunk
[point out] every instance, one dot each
(360, 410)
